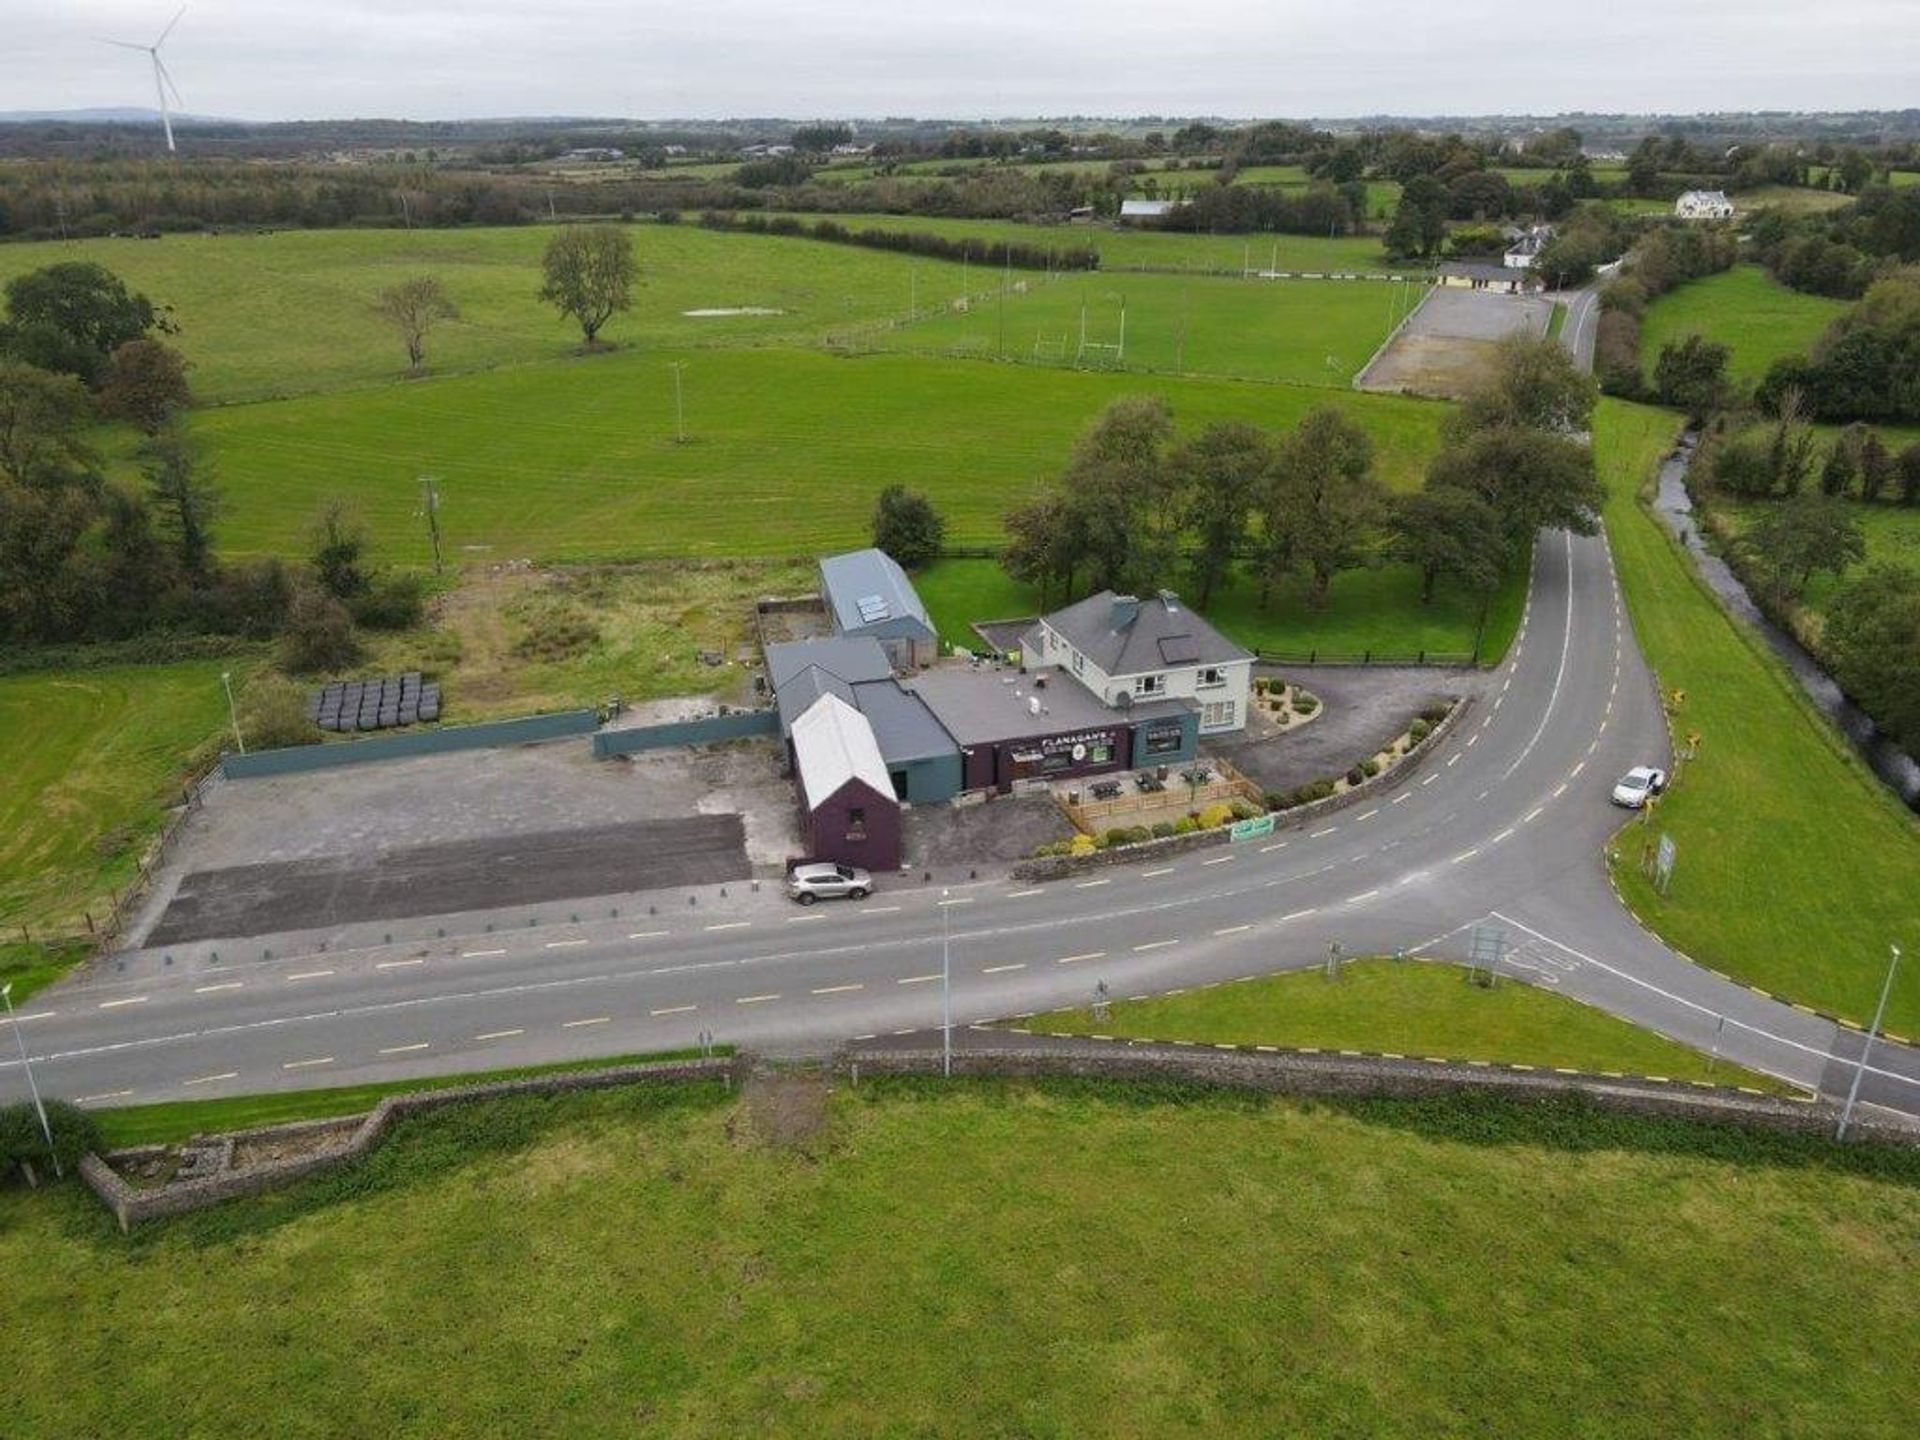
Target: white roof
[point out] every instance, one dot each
(1146, 207)
(1710, 197)
(832, 744)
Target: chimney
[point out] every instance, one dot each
(1125, 608)
(1171, 601)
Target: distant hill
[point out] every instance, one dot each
(104, 115)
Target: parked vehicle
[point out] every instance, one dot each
(1638, 786)
(808, 883)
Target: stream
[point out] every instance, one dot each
(1897, 769)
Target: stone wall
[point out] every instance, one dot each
(1299, 1073)
(132, 1204)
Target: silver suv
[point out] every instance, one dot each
(809, 883)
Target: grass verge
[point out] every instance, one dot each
(1796, 869)
(1401, 1007)
(1058, 1259)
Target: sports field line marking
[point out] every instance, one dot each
(999, 969)
(129, 1000)
(308, 1064)
(223, 985)
(406, 1049)
(577, 1024)
(837, 989)
(484, 954)
(499, 1034)
(669, 1010)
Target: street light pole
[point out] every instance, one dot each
(1873, 1032)
(233, 715)
(6, 994)
(946, 986)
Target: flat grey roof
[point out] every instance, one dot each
(868, 592)
(983, 707)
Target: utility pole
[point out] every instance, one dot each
(946, 987)
(6, 994)
(1873, 1033)
(233, 715)
(430, 503)
(679, 407)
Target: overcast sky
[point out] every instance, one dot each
(436, 59)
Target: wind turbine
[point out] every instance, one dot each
(162, 81)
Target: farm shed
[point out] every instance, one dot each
(923, 763)
(867, 594)
(847, 809)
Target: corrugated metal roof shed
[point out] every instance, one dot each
(833, 745)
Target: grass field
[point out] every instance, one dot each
(1376, 609)
(1402, 1007)
(1745, 309)
(1796, 869)
(988, 1259)
(1892, 534)
(92, 756)
(785, 450)
(290, 312)
(1308, 332)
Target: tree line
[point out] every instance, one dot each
(1139, 507)
(978, 251)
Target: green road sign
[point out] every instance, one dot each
(1252, 829)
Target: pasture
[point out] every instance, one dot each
(785, 451)
(985, 1258)
(1307, 332)
(1892, 534)
(1758, 319)
(1796, 868)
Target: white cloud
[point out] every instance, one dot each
(273, 59)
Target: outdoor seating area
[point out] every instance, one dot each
(1145, 797)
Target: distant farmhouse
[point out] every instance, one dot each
(1703, 205)
(1525, 248)
(595, 154)
(1147, 209)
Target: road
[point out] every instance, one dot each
(1503, 824)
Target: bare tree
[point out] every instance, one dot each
(412, 307)
(590, 272)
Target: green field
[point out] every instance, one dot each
(1400, 1007)
(785, 450)
(290, 312)
(1892, 534)
(1373, 609)
(992, 1259)
(1307, 332)
(92, 756)
(1745, 309)
(1130, 248)
(1796, 868)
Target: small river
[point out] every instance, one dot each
(1894, 766)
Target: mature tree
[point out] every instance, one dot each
(412, 307)
(181, 489)
(1044, 545)
(1221, 469)
(1322, 498)
(71, 317)
(590, 273)
(1120, 490)
(1879, 471)
(339, 543)
(1872, 640)
(1854, 170)
(1533, 383)
(1790, 450)
(43, 420)
(1841, 468)
(1804, 534)
(1691, 375)
(1530, 479)
(1448, 532)
(907, 527)
(1419, 225)
(817, 139)
(146, 384)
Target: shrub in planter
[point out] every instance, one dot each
(1186, 825)
(1370, 768)
(1243, 811)
(1434, 714)
(1162, 829)
(1305, 704)
(1275, 800)
(1081, 845)
(1356, 776)
(1215, 815)
(1419, 731)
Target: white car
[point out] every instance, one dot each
(1638, 786)
(808, 883)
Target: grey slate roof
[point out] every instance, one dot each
(868, 593)
(855, 669)
(1161, 632)
(796, 697)
(1480, 270)
(902, 723)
